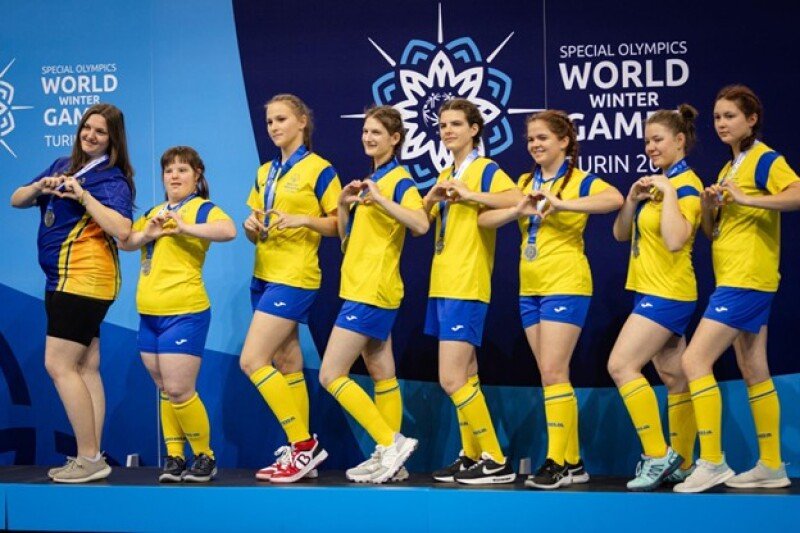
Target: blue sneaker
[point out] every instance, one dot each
(652, 471)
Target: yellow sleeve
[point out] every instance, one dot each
(501, 182)
(411, 198)
(217, 214)
(139, 224)
(780, 176)
(330, 198)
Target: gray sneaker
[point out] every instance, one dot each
(761, 477)
(82, 470)
(705, 476)
(363, 472)
(53, 471)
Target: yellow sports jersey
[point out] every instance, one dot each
(463, 270)
(561, 266)
(371, 266)
(174, 285)
(289, 256)
(747, 252)
(656, 270)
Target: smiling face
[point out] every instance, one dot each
(662, 146)
(456, 131)
(546, 148)
(94, 136)
(731, 123)
(180, 180)
(284, 126)
(378, 143)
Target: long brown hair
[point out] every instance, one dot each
(300, 110)
(188, 155)
(560, 125)
(117, 143)
(749, 104)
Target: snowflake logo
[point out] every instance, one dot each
(428, 75)
(7, 123)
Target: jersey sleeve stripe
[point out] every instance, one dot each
(763, 167)
(487, 176)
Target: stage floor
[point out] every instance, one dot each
(132, 500)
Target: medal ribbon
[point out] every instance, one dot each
(376, 176)
(444, 207)
(89, 166)
(150, 246)
(535, 221)
(731, 174)
(678, 168)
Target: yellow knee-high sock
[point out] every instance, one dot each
(389, 402)
(469, 400)
(360, 406)
(297, 384)
(682, 427)
(642, 405)
(572, 454)
(276, 392)
(560, 418)
(707, 402)
(171, 427)
(194, 422)
(469, 444)
(767, 415)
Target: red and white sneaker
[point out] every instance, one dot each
(305, 457)
(284, 455)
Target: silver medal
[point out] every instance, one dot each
(635, 248)
(439, 246)
(263, 235)
(715, 232)
(49, 218)
(147, 266)
(531, 252)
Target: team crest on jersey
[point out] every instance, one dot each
(427, 75)
(7, 108)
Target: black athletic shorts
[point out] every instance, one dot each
(74, 318)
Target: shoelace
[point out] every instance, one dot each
(284, 455)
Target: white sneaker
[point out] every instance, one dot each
(392, 457)
(706, 475)
(761, 477)
(363, 472)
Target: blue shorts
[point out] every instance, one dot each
(284, 301)
(366, 319)
(671, 314)
(744, 309)
(449, 319)
(184, 334)
(566, 308)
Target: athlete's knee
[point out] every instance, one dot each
(450, 384)
(57, 367)
(248, 366)
(179, 393)
(326, 377)
(553, 373)
(618, 369)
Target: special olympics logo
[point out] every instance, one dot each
(7, 123)
(429, 74)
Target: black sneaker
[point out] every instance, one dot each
(550, 476)
(203, 469)
(174, 467)
(487, 471)
(577, 473)
(445, 475)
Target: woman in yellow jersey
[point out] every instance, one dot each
(171, 298)
(293, 205)
(461, 286)
(660, 217)
(555, 281)
(373, 216)
(85, 201)
(741, 214)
